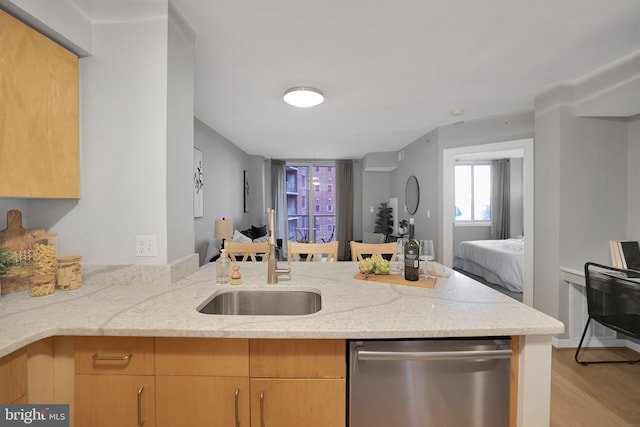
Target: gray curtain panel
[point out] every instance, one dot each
(279, 202)
(500, 199)
(344, 229)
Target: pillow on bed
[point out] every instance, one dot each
(263, 239)
(257, 232)
(240, 237)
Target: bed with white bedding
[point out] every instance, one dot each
(497, 261)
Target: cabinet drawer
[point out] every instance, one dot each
(114, 355)
(202, 356)
(13, 376)
(298, 358)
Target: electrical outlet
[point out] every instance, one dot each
(146, 246)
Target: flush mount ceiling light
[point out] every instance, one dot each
(303, 97)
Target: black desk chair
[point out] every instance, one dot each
(613, 300)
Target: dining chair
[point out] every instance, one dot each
(361, 250)
(313, 251)
(248, 251)
(613, 300)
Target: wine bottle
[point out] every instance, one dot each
(411, 256)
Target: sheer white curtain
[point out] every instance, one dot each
(279, 201)
(500, 199)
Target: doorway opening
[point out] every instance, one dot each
(449, 156)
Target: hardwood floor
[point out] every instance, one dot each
(601, 395)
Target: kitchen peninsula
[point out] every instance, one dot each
(112, 302)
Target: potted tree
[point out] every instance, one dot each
(384, 221)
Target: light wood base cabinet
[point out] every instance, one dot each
(198, 382)
(115, 400)
(13, 377)
(200, 401)
(298, 402)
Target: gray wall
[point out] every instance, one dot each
(423, 158)
(223, 185)
(586, 181)
(376, 189)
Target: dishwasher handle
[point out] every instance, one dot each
(499, 353)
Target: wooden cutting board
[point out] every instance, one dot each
(16, 238)
(395, 279)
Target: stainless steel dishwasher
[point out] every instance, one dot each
(430, 382)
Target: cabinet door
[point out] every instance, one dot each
(39, 111)
(197, 401)
(13, 377)
(298, 402)
(115, 401)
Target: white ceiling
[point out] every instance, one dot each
(391, 71)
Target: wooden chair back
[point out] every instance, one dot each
(360, 249)
(247, 251)
(313, 251)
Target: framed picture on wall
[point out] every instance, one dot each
(245, 186)
(198, 184)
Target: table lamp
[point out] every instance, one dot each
(223, 230)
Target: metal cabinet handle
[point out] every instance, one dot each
(97, 356)
(140, 420)
(237, 411)
(434, 355)
(262, 409)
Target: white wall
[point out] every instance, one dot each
(123, 88)
(180, 108)
(64, 20)
(136, 152)
(633, 190)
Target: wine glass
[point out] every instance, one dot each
(427, 252)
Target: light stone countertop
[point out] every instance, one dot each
(116, 301)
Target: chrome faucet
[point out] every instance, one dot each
(272, 261)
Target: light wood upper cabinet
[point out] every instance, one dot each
(39, 115)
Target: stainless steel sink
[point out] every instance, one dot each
(263, 303)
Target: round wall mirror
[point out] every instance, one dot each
(412, 195)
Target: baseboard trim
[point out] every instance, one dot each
(595, 342)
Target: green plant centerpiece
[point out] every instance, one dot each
(384, 220)
(9, 259)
